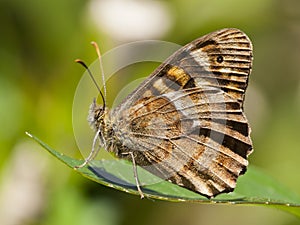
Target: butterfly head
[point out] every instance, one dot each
(97, 116)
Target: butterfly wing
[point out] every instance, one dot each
(185, 123)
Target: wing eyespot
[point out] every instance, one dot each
(220, 59)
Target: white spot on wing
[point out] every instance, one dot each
(201, 57)
(225, 70)
(159, 84)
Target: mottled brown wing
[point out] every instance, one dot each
(185, 122)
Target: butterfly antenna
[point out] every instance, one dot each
(91, 75)
(101, 65)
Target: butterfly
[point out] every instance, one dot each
(185, 122)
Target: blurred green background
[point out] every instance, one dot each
(38, 77)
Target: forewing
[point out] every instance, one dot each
(221, 59)
(185, 122)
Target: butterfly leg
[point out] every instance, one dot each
(92, 154)
(135, 174)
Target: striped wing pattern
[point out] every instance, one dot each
(185, 122)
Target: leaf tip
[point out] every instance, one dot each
(28, 134)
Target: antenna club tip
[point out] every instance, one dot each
(77, 60)
(94, 44)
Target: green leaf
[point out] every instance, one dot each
(254, 188)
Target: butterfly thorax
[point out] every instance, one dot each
(110, 134)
